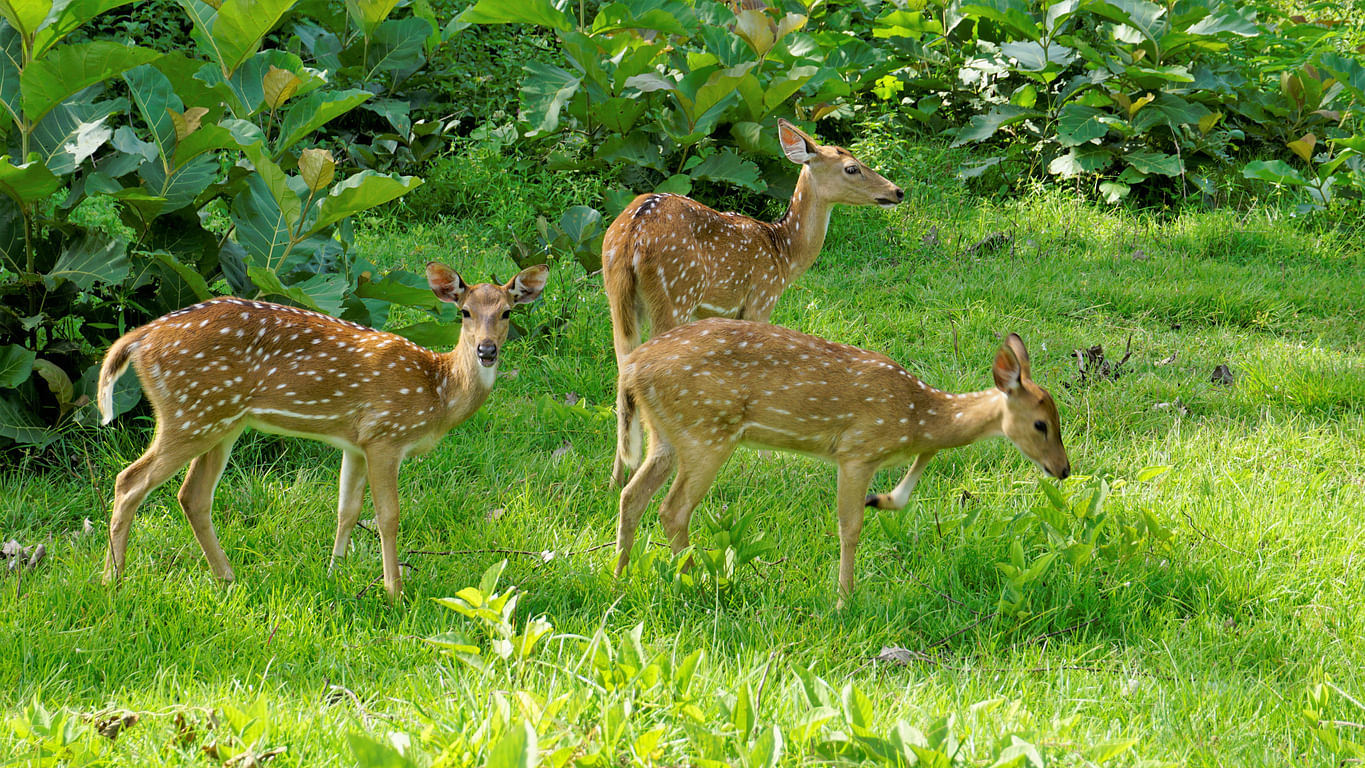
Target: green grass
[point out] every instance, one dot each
(1203, 649)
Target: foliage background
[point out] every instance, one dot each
(1188, 598)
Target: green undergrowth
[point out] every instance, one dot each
(1194, 600)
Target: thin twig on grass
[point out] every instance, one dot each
(544, 555)
(1061, 631)
(758, 697)
(945, 640)
(1201, 532)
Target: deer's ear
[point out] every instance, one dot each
(1006, 370)
(446, 283)
(1016, 346)
(527, 285)
(798, 147)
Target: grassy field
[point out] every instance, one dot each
(1221, 600)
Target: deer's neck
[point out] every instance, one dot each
(801, 230)
(950, 421)
(466, 383)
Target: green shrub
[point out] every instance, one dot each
(140, 181)
(1129, 93)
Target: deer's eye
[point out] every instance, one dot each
(851, 170)
(464, 313)
(1041, 426)
(506, 313)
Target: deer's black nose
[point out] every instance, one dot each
(487, 352)
(900, 193)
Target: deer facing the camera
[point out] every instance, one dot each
(705, 388)
(670, 260)
(216, 368)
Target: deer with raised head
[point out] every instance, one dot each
(216, 368)
(668, 260)
(705, 388)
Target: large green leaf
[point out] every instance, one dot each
(431, 334)
(1082, 159)
(1078, 124)
(399, 287)
(1033, 57)
(26, 183)
(269, 284)
(91, 259)
(375, 754)
(25, 15)
(1348, 71)
(542, 12)
(544, 92)
(1275, 172)
(635, 147)
(244, 89)
(233, 32)
(368, 14)
(982, 127)
(19, 422)
(1140, 15)
(67, 69)
(727, 166)
(182, 184)
(780, 90)
(1154, 162)
(11, 62)
(397, 47)
(286, 197)
(1008, 15)
(360, 192)
(516, 749)
(617, 16)
(262, 228)
(16, 363)
(1169, 109)
(71, 133)
(153, 95)
(619, 114)
(1234, 18)
(206, 139)
(68, 18)
(314, 111)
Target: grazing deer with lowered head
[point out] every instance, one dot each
(705, 388)
(216, 368)
(670, 260)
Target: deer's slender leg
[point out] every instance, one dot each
(350, 500)
(196, 499)
(900, 495)
(383, 474)
(854, 477)
(696, 471)
(637, 493)
(162, 459)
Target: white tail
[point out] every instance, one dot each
(216, 368)
(705, 388)
(669, 260)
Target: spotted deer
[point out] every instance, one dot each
(216, 368)
(703, 389)
(669, 260)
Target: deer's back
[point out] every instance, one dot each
(287, 370)
(698, 261)
(729, 381)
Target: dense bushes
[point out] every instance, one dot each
(139, 178)
(1129, 92)
(138, 181)
(1171, 98)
